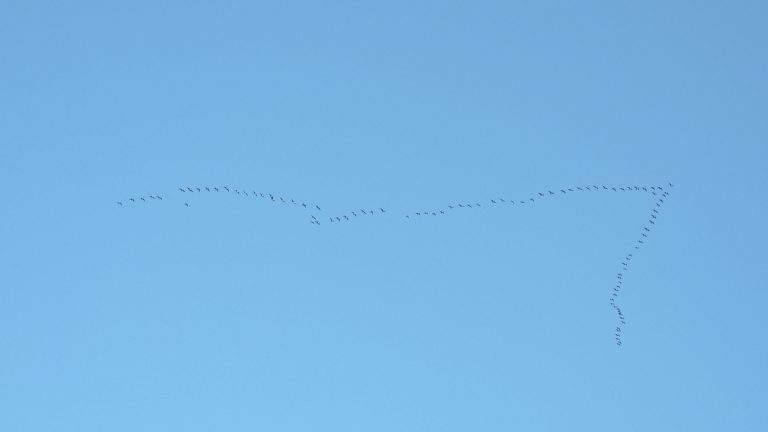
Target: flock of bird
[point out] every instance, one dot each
(662, 192)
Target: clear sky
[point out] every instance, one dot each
(237, 314)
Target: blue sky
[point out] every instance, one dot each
(238, 314)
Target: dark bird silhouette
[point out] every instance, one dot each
(198, 189)
(304, 205)
(182, 189)
(216, 189)
(493, 201)
(226, 188)
(345, 217)
(207, 189)
(142, 198)
(382, 210)
(132, 200)
(119, 203)
(541, 194)
(578, 188)
(318, 207)
(186, 204)
(551, 193)
(190, 189)
(563, 191)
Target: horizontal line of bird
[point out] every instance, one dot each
(353, 214)
(227, 189)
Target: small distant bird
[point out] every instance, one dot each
(132, 200)
(198, 189)
(216, 189)
(562, 190)
(551, 193)
(382, 210)
(190, 189)
(354, 214)
(363, 211)
(226, 188)
(119, 203)
(186, 204)
(318, 207)
(152, 196)
(541, 194)
(182, 189)
(493, 201)
(142, 198)
(345, 217)
(304, 205)
(207, 189)
(578, 188)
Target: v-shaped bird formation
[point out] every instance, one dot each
(189, 193)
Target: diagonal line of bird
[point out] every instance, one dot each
(661, 192)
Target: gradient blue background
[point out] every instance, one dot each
(236, 315)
